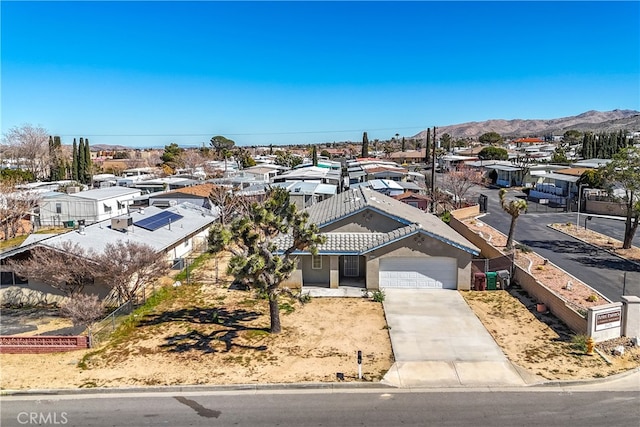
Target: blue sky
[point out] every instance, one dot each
(152, 73)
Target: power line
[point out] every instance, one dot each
(237, 134)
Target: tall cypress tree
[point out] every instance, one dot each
(82, 167)
(365, 146)
(87, 162)
(52, 161)
(427, 154)
(403, 145)
(314, 156)
(56, 163)
(74, 164)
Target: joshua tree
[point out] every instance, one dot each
(514, 208)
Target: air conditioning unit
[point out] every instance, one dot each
(121, 223)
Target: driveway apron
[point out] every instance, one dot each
(438, 341)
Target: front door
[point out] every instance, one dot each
(351, 266)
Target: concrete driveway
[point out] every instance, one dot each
(438, 341)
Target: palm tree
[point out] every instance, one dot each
(513, 208)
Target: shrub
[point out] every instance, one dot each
(523, 248)
(378, 295)
(592, 298)
(579, 342)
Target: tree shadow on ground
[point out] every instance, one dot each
(564, 333)
(225, 328)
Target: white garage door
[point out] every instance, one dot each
(418, 273)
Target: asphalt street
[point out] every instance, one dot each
(599, 269)
(302, 408)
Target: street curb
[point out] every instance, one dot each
(595, 246)
(294, 386)
(198, 388)
(564, 383)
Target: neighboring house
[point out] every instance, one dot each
(375, 241)
(312, 174)
(261, 172)
(89, 206)
(508, 176)
(537, 173)
(302, 194)
(416, 200)
(164, 184)
(409, 156)
(197, 195)
(305, 194)
(386, 187)
(451, 162)
(174, 233)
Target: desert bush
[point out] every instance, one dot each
(579, 342)
(378, 295)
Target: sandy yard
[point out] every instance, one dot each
(205, 333)
(208, 334)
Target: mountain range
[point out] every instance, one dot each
(593, 121)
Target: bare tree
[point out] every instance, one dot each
(29, 146)
(458, 182)
(15, 207)
(127, 267)
(192, 158)
(227, 203)
(67, 268)
(83, 310)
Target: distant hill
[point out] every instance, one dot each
(595, 121)
(107, 147)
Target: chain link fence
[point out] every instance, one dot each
(102, 329)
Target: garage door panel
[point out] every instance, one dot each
(423, 273)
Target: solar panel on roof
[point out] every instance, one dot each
(158, 220)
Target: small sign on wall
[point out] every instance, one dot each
(607, 320)
(604, 322)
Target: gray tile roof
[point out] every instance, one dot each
(345, 204)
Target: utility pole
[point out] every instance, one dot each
(433, 172)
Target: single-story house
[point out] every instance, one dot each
(417, 200)
(197, 195)
(175, 233)
(89, 206)
(375, 241)
(409, 156)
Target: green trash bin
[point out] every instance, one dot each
(492, 279)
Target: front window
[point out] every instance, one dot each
(316, 262)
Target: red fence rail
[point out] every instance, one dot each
(42, 344)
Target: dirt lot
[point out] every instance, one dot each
(208, 334)
(205, 333)
(541, 343)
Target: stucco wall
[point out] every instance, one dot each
(412, 248)
(557, 305)
(315, 277)
(367, 220)
(605, 208)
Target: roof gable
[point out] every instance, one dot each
(410, 219)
